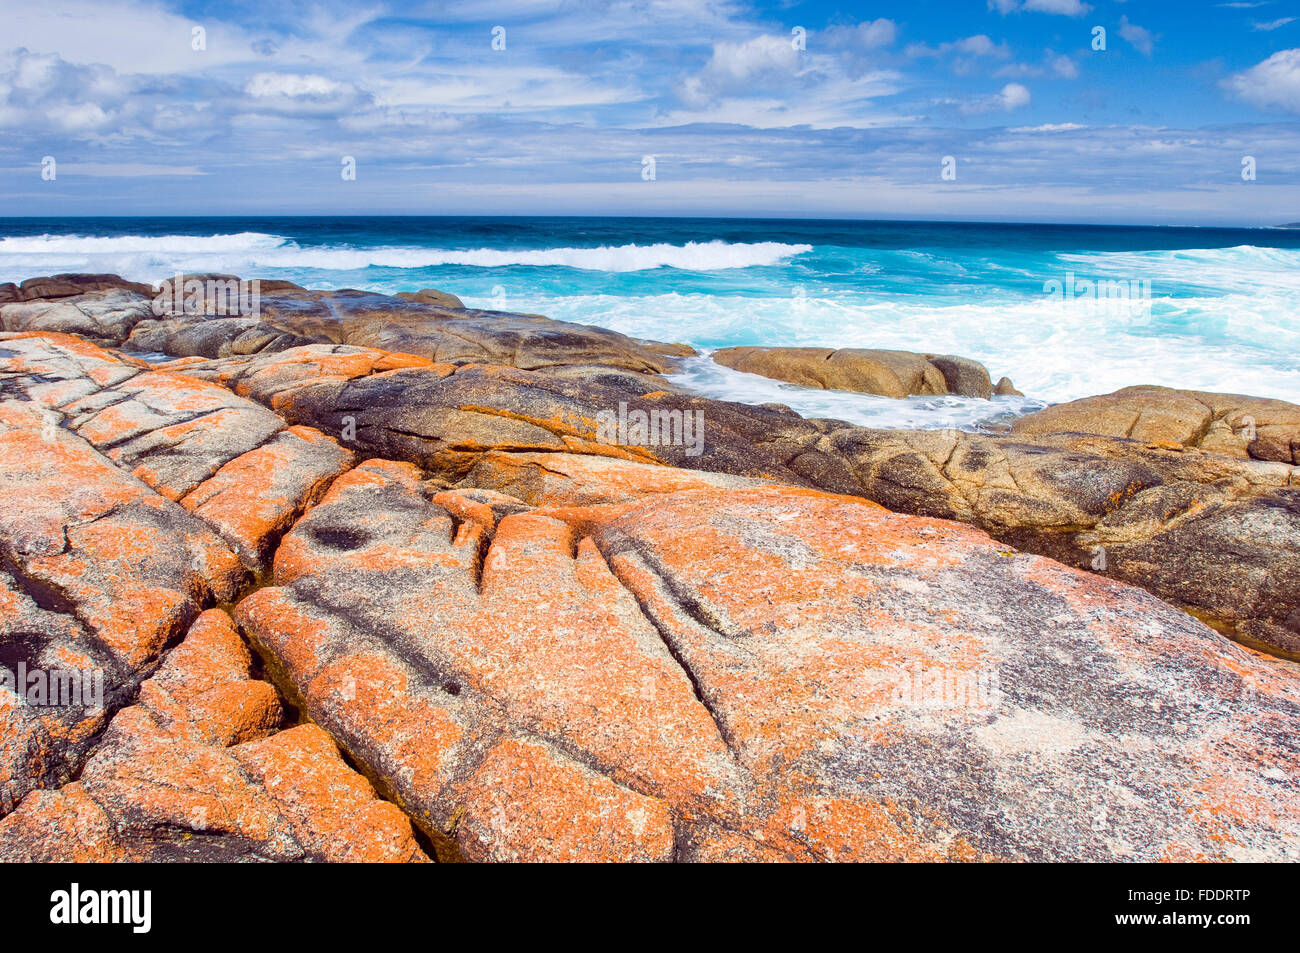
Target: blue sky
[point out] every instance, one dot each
(738, 118)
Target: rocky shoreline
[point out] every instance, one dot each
(365, 578)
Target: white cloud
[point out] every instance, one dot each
(758, 65)
(1069, 8)
(79, 117)
(127, 170)
(128, 36)
(1271, 24)
(740, 62)
(1012, 96)
(1062, 65)
(291, 84)
(876, 33)
(43, 92)
(1138, 37)
(1274, 83)
(977, 45)
(838, 102)
(1050, 127)
(1057, 64)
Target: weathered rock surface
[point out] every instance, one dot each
(101, 568)
(100, 573)
(866, 371)
(255, 497)
(543, 643)
(1226, 526)
(766, 673)
(571, 479)
(438, 333)
(232, 461)
(104, 317)
(1223, 423)
(119, 313)
(66, 286)
(198, 770)
(446, 417)
(1217, 536)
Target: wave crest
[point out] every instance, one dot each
(252, 250)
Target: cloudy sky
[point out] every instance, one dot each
(805, 109)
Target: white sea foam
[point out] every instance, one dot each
(702, 375)
(152, 258)
(1234, 343)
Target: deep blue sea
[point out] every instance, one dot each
(1205, 308)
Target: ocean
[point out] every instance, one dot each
(1064, 310)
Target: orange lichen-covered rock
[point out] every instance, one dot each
(198, 770)
(523, 801)
(789, 674)
(136, 566)
(1216, 535)
(256, 496)
(570, 479)
(171, 431)
(101, 569)
(100, 574)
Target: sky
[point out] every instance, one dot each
(1002, 110)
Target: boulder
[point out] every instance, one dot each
(884, 373)
(963, 376)
(66, 286)
(105, 317)
(1216, 536)
(765, 673)
(1224, 423)
(442, 299)
(263, 284)
(1004, 388)
(435, 332)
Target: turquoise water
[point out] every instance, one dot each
(1211, 309)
